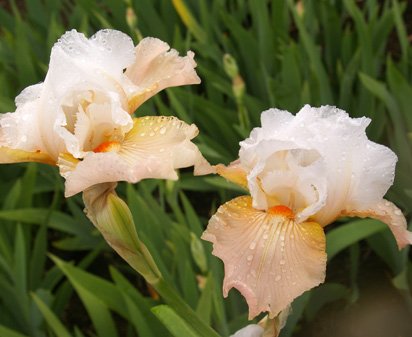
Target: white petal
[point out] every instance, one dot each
(156, 68)
(268, 257)
(31, 93)
(20, 129)
(109, 50)
(388, 213)
(251, 330)
(79, 66)
(355, 172)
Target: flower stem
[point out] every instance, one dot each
(171, 297)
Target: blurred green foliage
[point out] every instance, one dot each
(251, 55)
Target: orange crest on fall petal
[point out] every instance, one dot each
(282, 211)
(107, 147)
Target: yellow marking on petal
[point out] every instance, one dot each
(234, 173)
(66, 163)
(138, 99)
(8, 156)
(110, 146)
(281, 210)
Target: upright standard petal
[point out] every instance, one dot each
(389, 214)
(84, 73)
(324, 135)
(154, 148)
(268, 257)
(158, 67)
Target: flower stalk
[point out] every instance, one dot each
(112, 217)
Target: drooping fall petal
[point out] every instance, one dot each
(154, 148)
(158, 67)
(389, 214)
(268, 257)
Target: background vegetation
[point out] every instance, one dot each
(59, 278)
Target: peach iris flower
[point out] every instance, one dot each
(80, 117)
(303, 172)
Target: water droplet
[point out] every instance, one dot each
(151, 134)
(398, 212)
(265, 236)
(277, 278)
(252, 245)
(282, 262)
(250, 257)
(162, 131)
(163, 150)
(142, 134)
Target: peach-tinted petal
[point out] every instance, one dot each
(389, 214)
(269, 258)
(154, 148)
(8, 156)
(158, 67)
(233, 172)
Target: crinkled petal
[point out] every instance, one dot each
(154, 148)
(356, 172)
(269, 258)
(79, 66)
(109, 50)
(389, 214)
(158, 67)
(282, 172)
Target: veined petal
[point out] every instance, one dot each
(158, 67)
(166, 142)
(8, 156)
(154, 148)
(233, 172)
(389, 214)
(268, 257)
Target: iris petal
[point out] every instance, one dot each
(269, 258)
(389, 214)
(154, 148)
(158, 67)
